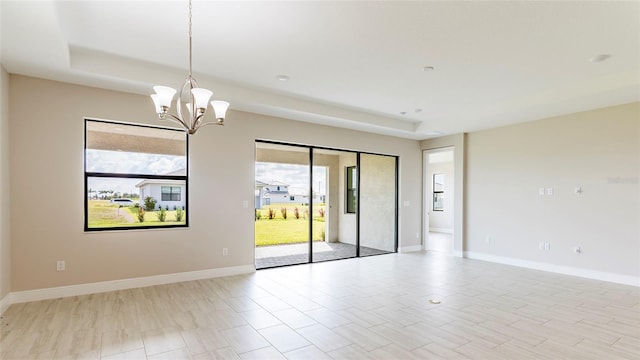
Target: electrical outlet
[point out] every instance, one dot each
(487, 239)
(60, 265)
(547, 246)
(225, 251)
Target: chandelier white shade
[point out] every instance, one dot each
(192, 97)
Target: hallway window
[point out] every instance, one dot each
(438, 192)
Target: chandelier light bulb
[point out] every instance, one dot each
(220, 109)
(201, 97)
(165, 95)
(154, 97)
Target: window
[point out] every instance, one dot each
(351, 187)
(438, 192)
(171, 193)
(135, 176)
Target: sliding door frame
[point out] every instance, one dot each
(311, 149)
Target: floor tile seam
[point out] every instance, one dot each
(282, 353)
(479, 333)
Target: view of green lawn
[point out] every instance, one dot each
(278, 231)
(104, 214)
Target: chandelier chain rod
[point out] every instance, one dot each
(190, 41)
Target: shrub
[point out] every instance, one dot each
(321, 212)
(179, 214)
(272, 214)
(258, 214)
(141, 214)
(283, 211)
(162, 215)
(296, 212)
(150, 203)
(175, 207)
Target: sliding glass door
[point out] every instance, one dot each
(316, 204)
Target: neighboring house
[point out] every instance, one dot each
(167, 192)
(261, 199)
(278, 192)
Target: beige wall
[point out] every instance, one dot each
(47, 188)
(5, 238)
(597, 150)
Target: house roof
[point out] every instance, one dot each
(412, 69)
(261, 184)
(278, 183)
(159, 182)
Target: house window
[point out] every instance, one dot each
(131, 173)
(170, 193)
(351, 188)
(438, 192)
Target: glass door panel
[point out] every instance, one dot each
(334, 217)
(378, 204)
(281, 205)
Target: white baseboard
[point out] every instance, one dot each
(441, 230)
(560, 269)
(412, 248)
(93, 288)
(458, 253)
(5, 302)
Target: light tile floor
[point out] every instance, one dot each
(369, 308)
(440, 242)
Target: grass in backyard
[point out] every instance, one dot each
(103, 214)
(279, 231)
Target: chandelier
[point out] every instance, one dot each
(196, 102)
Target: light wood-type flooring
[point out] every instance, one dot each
(379, 307)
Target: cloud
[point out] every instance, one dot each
(132, 163)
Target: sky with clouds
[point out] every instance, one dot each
(297, 176)
(128, 163)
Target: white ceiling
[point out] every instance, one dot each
(355, 65)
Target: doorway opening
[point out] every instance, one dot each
(439, 200)
(317, 204)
